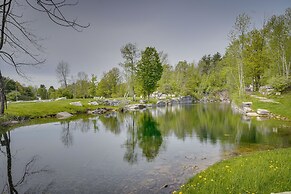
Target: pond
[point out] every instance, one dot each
(154, 151)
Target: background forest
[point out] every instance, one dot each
(254, 58)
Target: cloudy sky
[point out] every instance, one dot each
(184, 29)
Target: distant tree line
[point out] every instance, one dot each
(253, 58)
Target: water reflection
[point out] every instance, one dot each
(131, 141)
(67, 135)
(216, 123)
(134, 152)
(209, 123)
(149, 137)
(29, 169)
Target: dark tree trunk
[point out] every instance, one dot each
(9, 164)
(2, 95)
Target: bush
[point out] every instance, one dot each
(13, 96)
(280, 84)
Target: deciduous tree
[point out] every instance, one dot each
(149, 70)
(63, 71)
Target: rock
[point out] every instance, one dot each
(162, 97)
(246, 104)
(63, 115)
(263, 112)
(174, 101)
(161, 103)
(100, 111)
(252, 114)
(186, 100)
(247, 109)
(76, 103)
(61, 98)
(286, 192)
(143, 101)
(112, 102)
(94, 103)
(135, 107)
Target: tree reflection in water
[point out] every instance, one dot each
(142, 131)
(149, 136)
(11, 185)
(66, 136)
(130, 144)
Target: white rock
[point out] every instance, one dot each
(252, 114)
(63, 115)
(247, 109)
(76, 103)
(263, 112)
(61, 98)
(94, 103)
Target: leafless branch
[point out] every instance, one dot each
(28, 171)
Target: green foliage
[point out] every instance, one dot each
(149, 136)
(13, 96)
(280, 84)
(256, 59)
(42, 92)
(93, 86)
(262, 172)
(149, 70)
(108, 85)
(166, 83)
(82, 86)
(51, 93)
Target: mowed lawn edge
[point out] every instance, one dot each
(46, 109)
(260, 172)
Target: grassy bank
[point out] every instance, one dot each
(261, 172)
(33, 110)
(283, 107)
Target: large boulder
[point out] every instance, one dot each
(63, 115)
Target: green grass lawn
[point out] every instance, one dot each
(44, 109)
(282, 108)
(260, 172)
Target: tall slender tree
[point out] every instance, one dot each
(63, 72)
(241, 27)
(130, 54)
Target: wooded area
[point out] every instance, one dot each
(254, 58)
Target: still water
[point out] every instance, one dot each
(153, 151)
